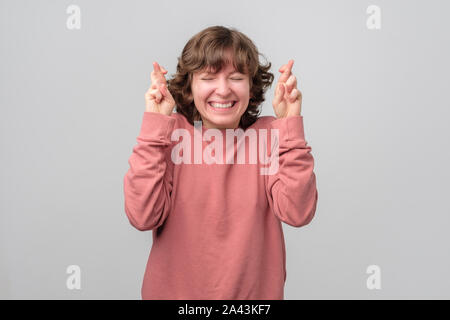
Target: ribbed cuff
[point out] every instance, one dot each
(290, 128)
(156, 126)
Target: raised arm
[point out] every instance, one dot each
(292, 191)
(148, 182)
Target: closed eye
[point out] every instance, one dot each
(231, 79)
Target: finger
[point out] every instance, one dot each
(156, 67)
(159, 73)
(150, 96)
(162, 89)
(295, 94)
(292, 95)
(284, 76)
(156, 94)
(159, 69)
(286, 71)
(159, 95)
(154, 78)
(279, 93)
(156, 71)
(290, 64)
(291, 83)
(287, 65)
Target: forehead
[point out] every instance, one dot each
(228, 68)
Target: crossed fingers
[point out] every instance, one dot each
(157, 75)
(287, 77)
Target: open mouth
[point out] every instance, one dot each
(223, 106)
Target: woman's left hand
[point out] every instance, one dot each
(288, 99)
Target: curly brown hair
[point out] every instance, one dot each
(207, 49)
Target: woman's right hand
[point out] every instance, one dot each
(158, 98)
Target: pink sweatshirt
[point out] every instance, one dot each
(217, 230)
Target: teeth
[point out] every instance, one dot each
(219, 105)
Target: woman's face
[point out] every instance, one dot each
(224, 87)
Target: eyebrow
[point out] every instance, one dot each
(231, 72)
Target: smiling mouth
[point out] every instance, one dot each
(234, 103)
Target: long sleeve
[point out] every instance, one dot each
(292, 191)
(148, 182)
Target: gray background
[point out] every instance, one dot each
(376, 112)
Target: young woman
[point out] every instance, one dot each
(216, 223)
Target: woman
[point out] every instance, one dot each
(216, 224)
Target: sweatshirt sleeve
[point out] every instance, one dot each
(291, 190)
(148, 182)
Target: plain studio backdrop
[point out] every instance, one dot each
(375, 108)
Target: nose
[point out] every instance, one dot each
(223, 88)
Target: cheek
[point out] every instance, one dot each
(241, 89)
(244, 91)
(203, 91)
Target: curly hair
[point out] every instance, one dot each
(207, 49)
